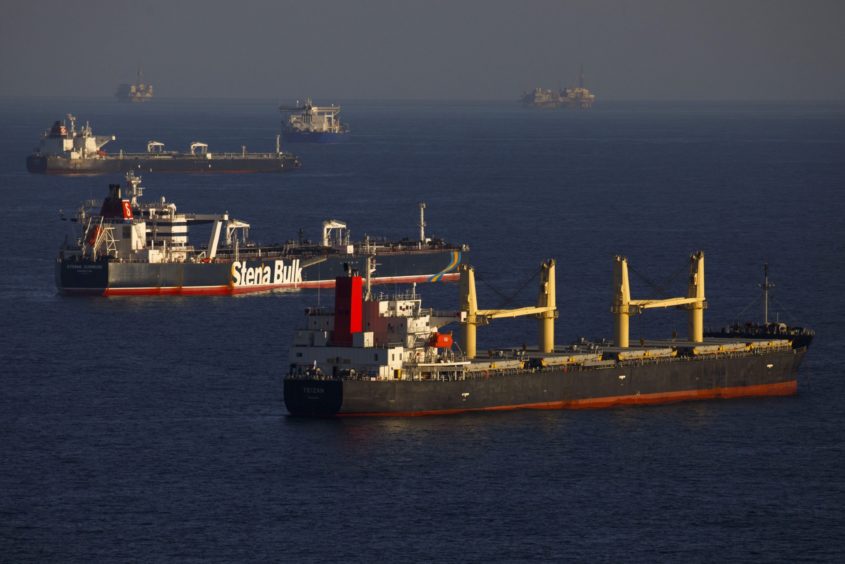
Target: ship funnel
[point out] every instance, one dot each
(348, 308)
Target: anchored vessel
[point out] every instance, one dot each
(125, 247)
(307, 123)
(138, 92)
(388, 356)
(65, 150)
(801, 337)
(578, 97)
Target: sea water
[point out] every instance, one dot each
(144, 429)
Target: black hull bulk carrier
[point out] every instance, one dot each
(388, 357)
(65, 150)
(124, 247)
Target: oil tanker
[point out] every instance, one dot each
(307, 123)
(123, 246)
(64, 149)
(389, 357)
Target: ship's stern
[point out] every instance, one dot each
(79, 277)
(310, 397)
(36, 164)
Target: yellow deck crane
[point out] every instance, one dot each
(545, 311)
(624, 307)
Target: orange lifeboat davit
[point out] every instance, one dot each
(93, 234)
(441, 340)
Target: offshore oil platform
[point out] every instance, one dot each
(579, 97)
(140, 91)
(388, 356)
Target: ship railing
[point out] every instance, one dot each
(245, 154)
(319, 311)
(170, 154)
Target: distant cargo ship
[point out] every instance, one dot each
(138, 92)
(125, 247)
(65, 150)
(371, 356)
(307, 123)
(579, 97)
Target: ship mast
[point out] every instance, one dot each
(422, 223)
(370, 265)
(766, 286)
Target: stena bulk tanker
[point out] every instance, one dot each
(370, 356)
(124, 246)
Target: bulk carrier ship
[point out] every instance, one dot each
(388, 356)
(125, 247)
(65, 150)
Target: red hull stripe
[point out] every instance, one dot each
(225, 290)
(780, 389)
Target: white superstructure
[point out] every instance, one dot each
(65, 141)
(128, 230)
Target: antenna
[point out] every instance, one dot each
(581, 77)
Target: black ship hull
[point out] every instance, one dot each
(324, 137)
(226, 276)
(41, 164)
(679, 379)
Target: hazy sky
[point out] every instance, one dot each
(493, 49)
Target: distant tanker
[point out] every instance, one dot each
(65, 150)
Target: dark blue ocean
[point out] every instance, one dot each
(153, 429)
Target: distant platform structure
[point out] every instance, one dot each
(578, 97)
(137, 92)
